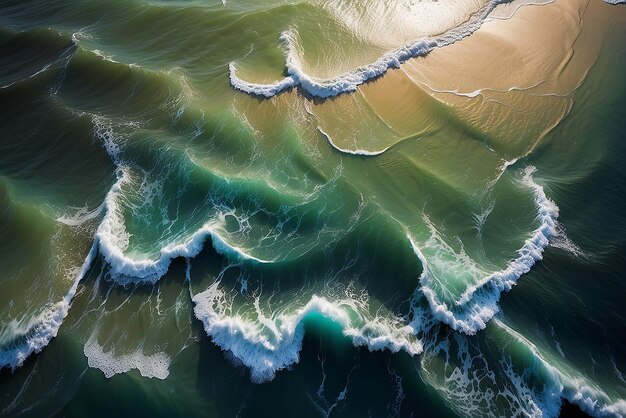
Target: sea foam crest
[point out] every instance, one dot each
(266, 90)
(344, 83)
(46, 326)
(268, 345)
(479, 303)
(573, 387)
(113, 239)
(348, 82)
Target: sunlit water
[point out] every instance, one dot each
(260, 208)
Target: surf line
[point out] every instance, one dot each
(348, 82)
(47, 325)
(479, 303)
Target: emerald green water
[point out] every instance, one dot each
(174, 246)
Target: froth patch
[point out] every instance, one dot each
(156, 365)
(358, 152)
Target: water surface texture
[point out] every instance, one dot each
(312, 208)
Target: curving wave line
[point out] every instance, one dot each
(269, 345)
(111, 235)
(359, 152)
(576, 389)
(265, 90)
(479, 303)
(47, 324)
(344, 83)
(348, 82)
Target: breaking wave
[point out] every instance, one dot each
(348, 82)
(479, 303)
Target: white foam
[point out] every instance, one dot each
(265, 90)
(268, 345)
(46, 326)
(155, 365)
(615, 1)
(81, 216)
(348, 82)
(575, 388)
(104, 56)
(113, 239)
(565, 243)
(358, 152)
(479, 303)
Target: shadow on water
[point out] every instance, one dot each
(332, 378)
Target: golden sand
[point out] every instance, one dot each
(522, 70)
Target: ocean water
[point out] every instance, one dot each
(312, 208)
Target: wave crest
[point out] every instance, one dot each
(479, 303)
(268, 345)
(349, 81)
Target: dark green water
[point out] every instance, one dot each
(173, 246)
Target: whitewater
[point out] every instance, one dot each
(470, 314)
(349, 81)
(267, 345)
(407, 244)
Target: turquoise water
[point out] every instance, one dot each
(246, 209)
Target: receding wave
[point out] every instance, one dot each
(349, 82)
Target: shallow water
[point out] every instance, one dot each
(247, 208)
